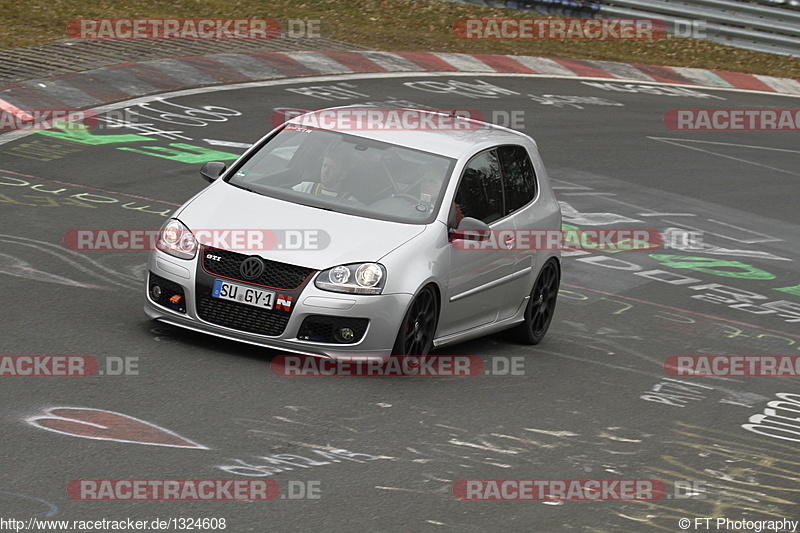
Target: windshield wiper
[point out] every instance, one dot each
(319, 207)
(248, 189)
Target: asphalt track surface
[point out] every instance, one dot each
(593, 401)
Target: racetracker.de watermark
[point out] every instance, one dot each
(514, 119)
(67, 366)
(383, 119)
(560, 29)
(259, 240)
(48, 365)
(615, 240)
(14, 119)
(173, 489)
(436, 366)
(733, 365)
(559, 489)
(237, 240)
(173, 28)
(733, 119)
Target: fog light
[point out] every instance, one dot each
(345, 334)
(155, 292)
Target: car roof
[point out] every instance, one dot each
(457, 136)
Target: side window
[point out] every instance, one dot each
(480, 193)
(518, 176)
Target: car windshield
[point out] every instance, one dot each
(346, 173)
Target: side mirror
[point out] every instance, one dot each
(212, 170)
(470, 229)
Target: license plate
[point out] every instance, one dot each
(243, 294)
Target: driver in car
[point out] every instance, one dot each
(333, 176)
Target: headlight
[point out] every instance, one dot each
(359, 278)
(176, 239)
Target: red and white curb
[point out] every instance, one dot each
(122, 82)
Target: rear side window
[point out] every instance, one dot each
(480, 193)
(518, 177)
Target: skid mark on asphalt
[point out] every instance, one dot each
(737, 476)
(8, 498)
(685, 311)
(729, 475)
(14, 266)
(739, 159)
(17, 267)
(570, 214)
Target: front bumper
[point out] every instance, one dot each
(384, 311)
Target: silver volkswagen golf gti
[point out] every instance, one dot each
(413, 239)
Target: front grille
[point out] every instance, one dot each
(169, 290)
(241, 317)
(321, 328)
(276, 275)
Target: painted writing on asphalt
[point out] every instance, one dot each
(54, 195)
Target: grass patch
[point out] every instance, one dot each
(392, 25)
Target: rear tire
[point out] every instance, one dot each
(541, 305)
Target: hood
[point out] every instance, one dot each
(290, 233)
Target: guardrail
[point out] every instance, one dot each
(791, 4)
(763, 28)
(755, 27)
(566, 8)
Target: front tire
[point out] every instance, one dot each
(415, 337)
(541, 306)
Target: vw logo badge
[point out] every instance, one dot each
(252, 268)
